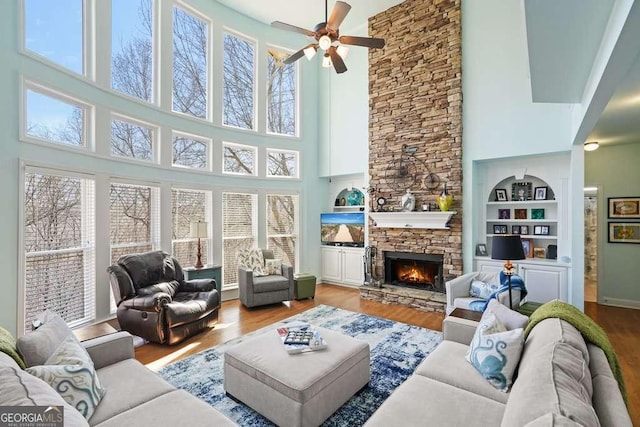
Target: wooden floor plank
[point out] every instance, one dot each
(235, 320)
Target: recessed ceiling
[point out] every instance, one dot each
(307, 13)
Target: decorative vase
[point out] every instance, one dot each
(408, 201)
(445, 200)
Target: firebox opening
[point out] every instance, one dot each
(418, 271)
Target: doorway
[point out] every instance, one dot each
(591, 244)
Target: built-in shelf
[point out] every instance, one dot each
(437, 220)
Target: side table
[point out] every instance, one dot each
(206, 272)
(305, 285)
(528, 308)
(94, 331)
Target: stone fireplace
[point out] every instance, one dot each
(416, 271)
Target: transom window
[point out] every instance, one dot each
(190, 152)
(239, 159)
(131, 139)
(239, 74)
(282, 163)
(282, 108)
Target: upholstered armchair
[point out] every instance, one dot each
(459, 291)
(269, 289)
(156, 303)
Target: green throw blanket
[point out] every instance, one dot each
(587, 327)
(8, 346)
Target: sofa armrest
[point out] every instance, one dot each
(245, 286)
(458, 329)
(153, 302)
(197, 285)
(287, 271)
(109, 349)
(459, 287)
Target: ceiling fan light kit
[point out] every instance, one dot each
(327, 36)
(591, 146)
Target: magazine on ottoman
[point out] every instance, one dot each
(299, 337)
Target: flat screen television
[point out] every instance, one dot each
(345, 228)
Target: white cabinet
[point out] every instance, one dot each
(545, 280)
(342, 265)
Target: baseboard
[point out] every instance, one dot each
(625, 303)
(345, 285)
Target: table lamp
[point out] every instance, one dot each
(507, 248)
(198, 230)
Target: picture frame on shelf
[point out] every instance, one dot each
(539, 253)
(527, 247)
(540, 193)
(541, 230)
(504, 213)
(624, 207)
(501, 195)
(521, 191)
(499, 229)
(624, 232)
(481, 249)
(515, 229)
(524, 229)
(537, 213)
(520, 213)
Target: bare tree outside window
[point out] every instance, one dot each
(59, 247)
(190, 152)
(282, 163)
(190, 76)
(282, 229)
(239, 75)
(239, 230)
(132, 48)
(130, 216)
(281, 94)
(54, 120)
(239, 159)
(131, 140)
(187, 206)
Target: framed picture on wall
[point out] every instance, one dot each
(624, 207)
(499, 229)
(504, 213)
(624, 232)
(537, 213)
(520, 213)
(501, 195)
(527, 247)
(521, 191)
(481, 249)
(524, 229)
(540, 193)
(515, 229)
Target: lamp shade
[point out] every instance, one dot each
(198, 229)
(507, 248)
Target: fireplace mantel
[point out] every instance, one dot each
(438, 220)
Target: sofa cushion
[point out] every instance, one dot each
(169, 288)
(556, 381)
(70, 372)
(270, 284)
(422, 401)
(190, 306)
(552, 330)
(495, 352)
(467, 302)
(447, 364)
(149, 268)
(552, 420)
(38, 345)
(20, 388)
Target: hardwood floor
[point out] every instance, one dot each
(235, 320)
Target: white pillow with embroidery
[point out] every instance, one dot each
(253, 260)
(495, 352)
(273, 266)
(482, 290)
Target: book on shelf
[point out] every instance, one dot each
(298, 337)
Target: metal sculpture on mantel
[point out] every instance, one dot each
(404, 168)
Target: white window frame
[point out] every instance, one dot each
(87, 121)
(207, 141)
(242, 146)
(234, 33)
(297, 108)
(295, 153)
(296, 224)
(88, 235)
(155, 137)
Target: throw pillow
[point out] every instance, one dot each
(37, 346)
(70, 372)
(511, 319)
(273, 266)
(482, 290)
(8, 346)
(495, 352)
(252, 259)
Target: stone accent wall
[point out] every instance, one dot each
(415, 88)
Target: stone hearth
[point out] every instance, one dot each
(414, 298)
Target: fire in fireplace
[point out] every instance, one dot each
(420, 271)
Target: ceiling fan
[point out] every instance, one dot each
(328, 38)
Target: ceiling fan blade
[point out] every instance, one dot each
(336, 60)
(339, 12)
(289, 27)
(362, 41)
(299, 54)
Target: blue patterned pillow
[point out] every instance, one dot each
(70, 372)
(495, 352)
(482, 290)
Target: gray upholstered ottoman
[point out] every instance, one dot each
(296, 389)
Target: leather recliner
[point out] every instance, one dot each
(156, 303)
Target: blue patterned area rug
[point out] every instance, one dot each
(396, 350)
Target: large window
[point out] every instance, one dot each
(59, 244)
(282, 163)
(53, 29)
(131, 139)
(55, 119)
(239, 230)
(239, 159)
(282, 227)
(281, 94)
(239, 73)
(188, 206)
(190, 152)
(134, 219)
(132, 47)
(190, 64)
